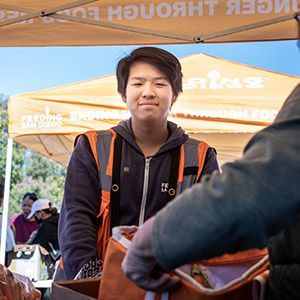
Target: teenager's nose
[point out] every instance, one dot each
(148, 92)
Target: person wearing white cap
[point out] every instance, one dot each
(38, 206)
(47, 218)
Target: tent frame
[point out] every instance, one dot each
(197, 39)
(6, 199)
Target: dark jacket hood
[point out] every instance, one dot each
(177, 136)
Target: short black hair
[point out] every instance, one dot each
(31, 196)
(163, 60)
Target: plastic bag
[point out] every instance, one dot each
(15, 286)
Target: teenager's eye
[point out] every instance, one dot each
(161, 84)
(136, 84)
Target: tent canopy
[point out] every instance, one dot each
(106, 22)
(223, 103)
(91, 22)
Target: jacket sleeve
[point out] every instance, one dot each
(253, 199)
(42, 235)
(80, 207)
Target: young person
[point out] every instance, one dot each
(124, 175)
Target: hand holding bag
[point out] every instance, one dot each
(245, 275)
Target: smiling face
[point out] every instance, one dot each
(149, 94)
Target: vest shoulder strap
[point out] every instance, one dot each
(202, 151)
(92, 137)
(187, 154)
(188, 159)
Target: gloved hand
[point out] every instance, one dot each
(139, 264)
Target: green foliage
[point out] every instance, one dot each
(51, 189)
(31, 172)
(45, 177)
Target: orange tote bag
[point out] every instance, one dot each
(241, 276)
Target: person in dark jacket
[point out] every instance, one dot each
(47, 218)
(149, 81)
(253, 203)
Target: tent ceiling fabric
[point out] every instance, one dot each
(123, 22)
(55, 147)
(223, 102)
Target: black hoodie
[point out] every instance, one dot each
(47, 233)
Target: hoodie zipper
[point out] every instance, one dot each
(145, 190)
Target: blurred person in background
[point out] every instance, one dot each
(46, 217)
(22, 225)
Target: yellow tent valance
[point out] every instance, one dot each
(220, 99)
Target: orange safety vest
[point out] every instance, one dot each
(105, 146)
(248, 268)
(94, 137)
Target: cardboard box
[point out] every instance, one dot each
(29, 260)
(84, 289)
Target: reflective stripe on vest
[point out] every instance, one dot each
(188, 161)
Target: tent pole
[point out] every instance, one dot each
(6, 199)
(204, 38)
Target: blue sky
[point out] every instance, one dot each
(26, 69)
